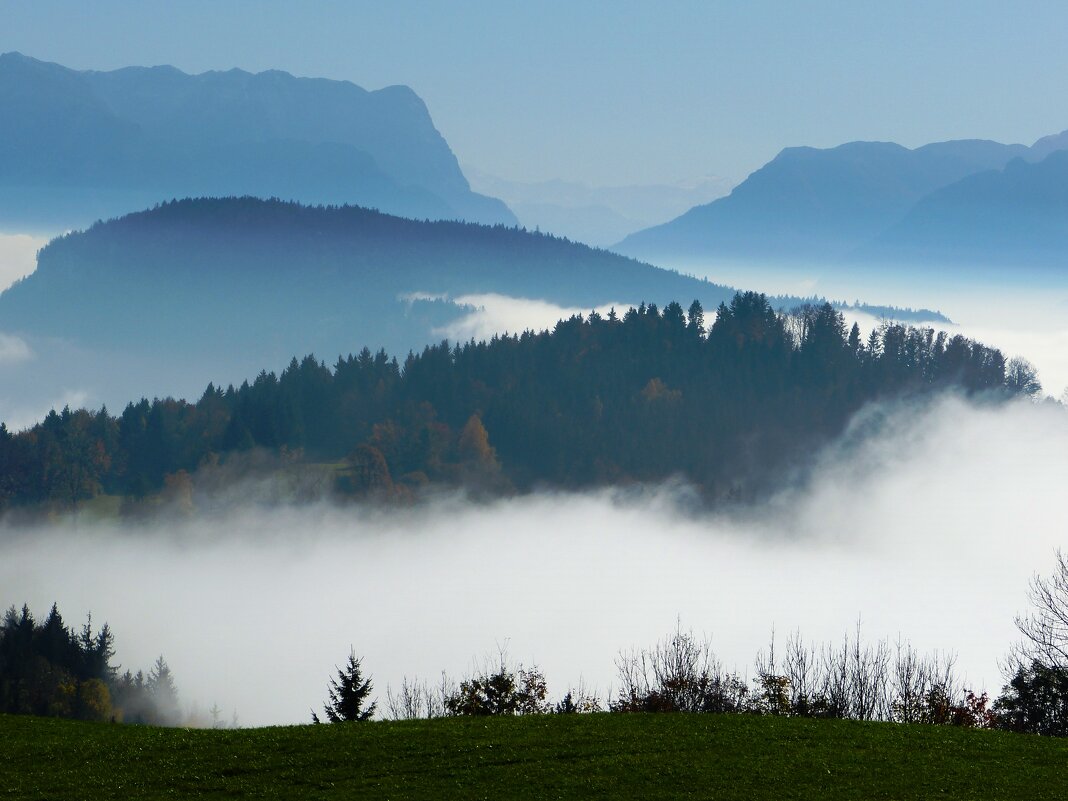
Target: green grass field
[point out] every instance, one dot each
(574, 756)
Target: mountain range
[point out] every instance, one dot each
(76, 146)
(1014, 217)
(879, 202)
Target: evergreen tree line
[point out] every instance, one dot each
(48, 668)
(599, 399)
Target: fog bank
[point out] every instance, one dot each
(1019, 314)
(491, 314)
(924, 522)
(18, 256)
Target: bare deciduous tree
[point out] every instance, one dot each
(1045, 629)
(804, 675)
(417, 699)
(678, 674)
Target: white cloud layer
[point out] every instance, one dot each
(1021, 316)
(498, 314)
(18, 256)
(924, 522)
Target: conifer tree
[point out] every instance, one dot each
(695, 318)
(163, 693)
(348, 694)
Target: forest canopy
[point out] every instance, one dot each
(49, 668)
(639, 397)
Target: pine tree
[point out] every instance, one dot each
(348, 694)
(854, 343)
(163, 693)
(695, 318)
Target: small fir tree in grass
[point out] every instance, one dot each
(349, 694)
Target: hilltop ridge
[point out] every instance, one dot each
(844, 205)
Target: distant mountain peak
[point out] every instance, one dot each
(826, 204)
(81, 145)
(1050, 144)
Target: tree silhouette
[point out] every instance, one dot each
(1045, 630)
(597, 400)
(348, 694)
(1036, 700)
(164, 694)
(1021, 377)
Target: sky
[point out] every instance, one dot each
(622, 92)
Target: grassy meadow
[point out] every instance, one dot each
(551, 756)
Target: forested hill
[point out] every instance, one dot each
(599, 400)
(278, 278)
(163, 301)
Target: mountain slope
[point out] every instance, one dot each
(162, 301)
(811, 204)
(233, 254)
(1016, 218)
(75, 146)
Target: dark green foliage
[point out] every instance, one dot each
(1035, 700)
(615, 757)
(503, 691)
(49, 669)
(598, 400)
(349, 693)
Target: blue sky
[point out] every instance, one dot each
(617, 92)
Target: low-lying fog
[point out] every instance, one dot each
(924, 522)
(1022, 315)
(492, 314)
(18, 256)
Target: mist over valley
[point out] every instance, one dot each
(705, 431)
(253, 604)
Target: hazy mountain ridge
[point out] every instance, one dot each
(165, 300)
(597, 215)
(997, 217)
(125, 139)
(829, 204)
(274, 278)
